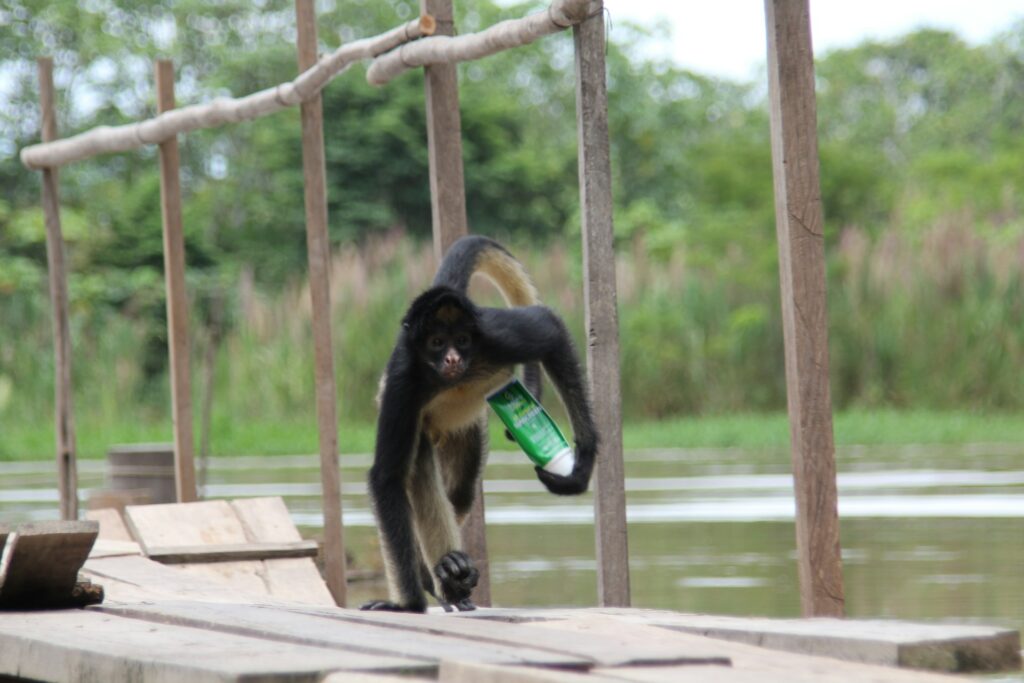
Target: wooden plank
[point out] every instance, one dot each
(619, 649)
(177, 298)
(939, 647)
(129, 579)
(942, 647)
(112, 526)
(298, 579)
(769, 664)
(42, 560)
(600, 312)
(67, 469)
(799, 224)
(237, 552)
(77, 645)
(287, 624)
(199, 523)
(475, 672)
(319, 253)
(448, 218)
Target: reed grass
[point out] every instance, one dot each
(927, 323)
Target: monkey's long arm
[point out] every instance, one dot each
(536, 333)
(397, 433)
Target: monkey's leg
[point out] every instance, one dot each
(438, 535)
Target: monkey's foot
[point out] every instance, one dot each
(388, 606)
(458, 577)
(462, 606)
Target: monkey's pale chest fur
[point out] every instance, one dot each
(459, 407)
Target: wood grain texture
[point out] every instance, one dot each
(318, 249)
(295, 626)
(42, 560)
(799, 224)
(177, 297)
(448, 218)
(600, 301)
(64, 422)
(73, 646)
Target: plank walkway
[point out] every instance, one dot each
(229, 621)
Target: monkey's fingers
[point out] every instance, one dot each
(562, 486)
(465, 605)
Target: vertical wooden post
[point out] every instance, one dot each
(177, 298)
(448, 210)
(799, 224)
(319, 253)
(601, 315)
(67, 468)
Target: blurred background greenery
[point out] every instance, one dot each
(923, 191)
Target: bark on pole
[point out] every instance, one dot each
(601, 315)
(448, 213)
(67, 468)
(177, 298)
(319, 252)
(799, 224)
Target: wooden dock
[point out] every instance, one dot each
(212, 611)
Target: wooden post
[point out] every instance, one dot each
(799, 225)
(448, 213)
(67, 469)
(319, 253)
(177, 299)
(601, 315)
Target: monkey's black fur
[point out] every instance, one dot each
(431, 431)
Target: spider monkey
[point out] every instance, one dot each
(432, 426)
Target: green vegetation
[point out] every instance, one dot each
(922, 190)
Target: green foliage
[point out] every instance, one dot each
(920, 148)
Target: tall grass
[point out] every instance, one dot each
(933, 320)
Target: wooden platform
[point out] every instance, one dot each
(162, 624)
(218, 621)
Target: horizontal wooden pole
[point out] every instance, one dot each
(231, 552)
(560, 15)
(107, 139)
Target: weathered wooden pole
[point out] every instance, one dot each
(799, 224)
(67, 468)
(177, 298)
(448, 212)
(319, 252)
(601, 315)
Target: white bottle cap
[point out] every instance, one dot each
(562, 463)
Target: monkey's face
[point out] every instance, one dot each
(448, 343)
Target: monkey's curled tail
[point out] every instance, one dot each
(478, 254)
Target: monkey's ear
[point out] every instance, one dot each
(405, 324)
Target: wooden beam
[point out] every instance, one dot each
(177, 298)
(448, 214)
(799, 225)
(602, 321)
(318, 248)
(64, 419)
(222, 110)
(231, 552)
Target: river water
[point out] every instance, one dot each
(928, 533)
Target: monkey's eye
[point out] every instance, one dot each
(462, 340)
(436, 343)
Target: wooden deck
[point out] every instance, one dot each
(242, 620)
(159, 623)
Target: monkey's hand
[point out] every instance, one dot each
(458, 577)
(577, 481)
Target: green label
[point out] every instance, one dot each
(528, 422)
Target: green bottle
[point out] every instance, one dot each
(532, 428)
